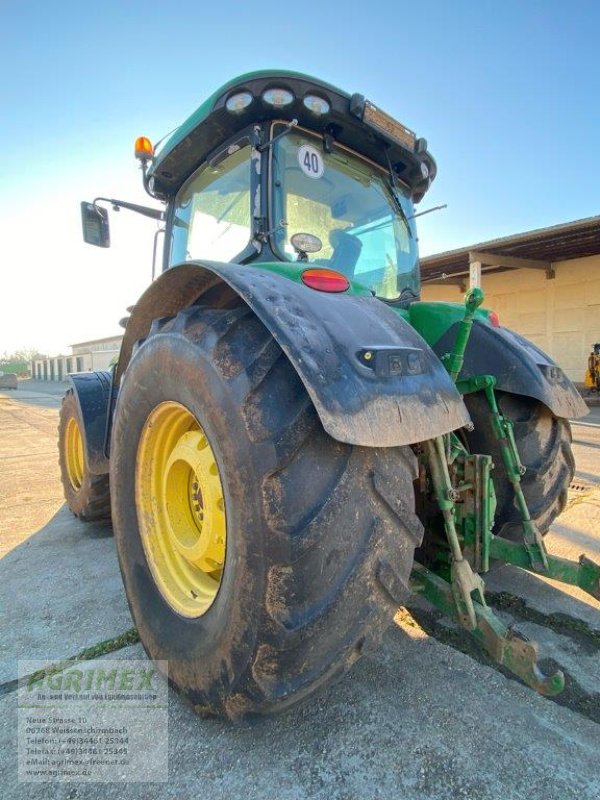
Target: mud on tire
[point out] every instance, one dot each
(320, 534)
(88, 497)
(544, 444)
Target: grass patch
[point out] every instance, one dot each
(87, 654)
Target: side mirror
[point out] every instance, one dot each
(94, 222)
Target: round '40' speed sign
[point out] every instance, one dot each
(311, 161)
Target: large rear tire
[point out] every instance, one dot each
(87, 495)
(544, 444)
(318, 539)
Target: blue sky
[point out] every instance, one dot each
(506, 94)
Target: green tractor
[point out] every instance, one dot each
(291, 440)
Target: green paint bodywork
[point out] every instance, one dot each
(455, 359)
(203, 111)
(432, 319)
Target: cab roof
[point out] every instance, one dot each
(211, 126)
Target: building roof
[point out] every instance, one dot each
(116, 338)
(557, 243)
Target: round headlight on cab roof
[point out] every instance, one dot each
(316, 105)
(278, 98)
(238, 102)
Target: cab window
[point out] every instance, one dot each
(212, 216)
(346, 201)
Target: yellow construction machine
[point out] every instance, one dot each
(592, 375)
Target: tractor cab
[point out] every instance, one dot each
(329, 206)
(279, 168)
(302, 172)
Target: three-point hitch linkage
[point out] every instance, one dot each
(463, 490)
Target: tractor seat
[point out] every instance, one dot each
(346, 252)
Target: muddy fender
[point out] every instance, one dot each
(92, 392)
(372, 378)
(519, 367)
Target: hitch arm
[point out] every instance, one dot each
(530, 554)
(503, 644)
(584, 573)
(465, 583)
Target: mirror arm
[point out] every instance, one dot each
(146, 211)
(145, 179)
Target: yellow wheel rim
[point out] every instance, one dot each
(74, 458)
(181, 511)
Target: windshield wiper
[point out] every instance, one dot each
(396, 193)
(402, 213)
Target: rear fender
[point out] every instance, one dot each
(372, 378)
(518, 366)
(92, 393)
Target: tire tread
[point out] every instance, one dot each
(330, 520)
(91, 503)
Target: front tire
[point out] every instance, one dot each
(319, 535)
(87, 495)
(544, 445)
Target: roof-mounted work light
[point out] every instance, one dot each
(382, 122)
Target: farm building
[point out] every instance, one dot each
(544, 284)
(96, 354)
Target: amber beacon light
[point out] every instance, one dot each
(143, 148)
